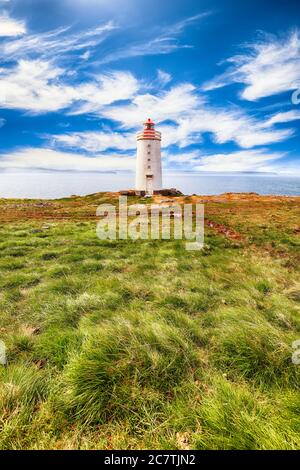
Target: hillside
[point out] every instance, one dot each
(143, 345)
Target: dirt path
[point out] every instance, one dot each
(224, 230)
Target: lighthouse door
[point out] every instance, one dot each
(149, 185)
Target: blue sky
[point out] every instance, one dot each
(78, 78)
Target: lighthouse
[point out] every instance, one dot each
(148, 161)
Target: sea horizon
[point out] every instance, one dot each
(39, 184)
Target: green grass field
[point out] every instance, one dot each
(143, 345)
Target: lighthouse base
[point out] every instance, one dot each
(162, 192)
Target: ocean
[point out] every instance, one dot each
(51, 185)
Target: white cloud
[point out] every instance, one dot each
(171, 104)
(270, 67)
(185, 158)
(34, 86)
(59, 42)
(255, 160)
(291, 168)
(164, 41)
(163, 77)
(250, 160)
(193, 116)
(47, 159)
(11, 27)
(105, 90)
(38, 86)
(86, 55)
(52, 160)
(55, 43)
(230, 126)
(188, 128)
(287, 116)
(96, 141)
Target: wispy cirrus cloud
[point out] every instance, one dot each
(10, 27)
(163, 78)
(164, 40)
(269, 67)
(62, 41)
(56, 44)
(282, 117)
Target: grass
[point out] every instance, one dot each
(121, 344)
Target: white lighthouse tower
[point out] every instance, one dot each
(148, 162)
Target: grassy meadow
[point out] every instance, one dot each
(143, 345)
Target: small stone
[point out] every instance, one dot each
(183, 441)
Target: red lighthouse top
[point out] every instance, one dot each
(149, 124)
(149, 132)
